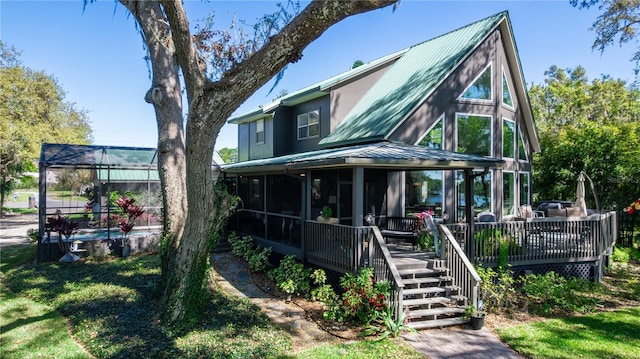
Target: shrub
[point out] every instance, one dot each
(363, 298)
(323, 292)
(256, 257)
(259, 259)
(620, 255)
(553, 294)
(496, 289)
(291, 276)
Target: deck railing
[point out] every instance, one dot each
(460, 268)
(385, 269)
(538, 240)
(336, 247)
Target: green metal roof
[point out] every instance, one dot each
(408, 82)
(379, 155)
(136, 175)
(91, 156)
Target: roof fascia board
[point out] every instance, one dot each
(374, 66)
(249, 117)
(514, 62)
(444, 78)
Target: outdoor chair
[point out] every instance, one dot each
(486, 217)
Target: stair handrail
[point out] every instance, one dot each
(462, 270)
(395, 280)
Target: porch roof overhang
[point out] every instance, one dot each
(382, 155)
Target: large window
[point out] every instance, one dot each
(525, 195)
(482, 193)
(508, 138)
(309, 125)
(424, 190)
(259, 131)
(508, 193)
(474, 134)
(522, 153)
(480, 88)
(506, 92)
(434, 137)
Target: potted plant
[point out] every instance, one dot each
(475, 316)
(325, 216)
(128, 221)
(64, 227)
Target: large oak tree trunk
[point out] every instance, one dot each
(194, 211)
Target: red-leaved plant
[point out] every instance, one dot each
(131, 213)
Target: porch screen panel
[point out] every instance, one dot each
(284, 195)
(251, 192)
(424, 191)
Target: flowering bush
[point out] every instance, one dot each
(633, 207)
(363, 299)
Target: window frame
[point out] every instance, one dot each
(505, 81)
(260, 140)
(439, 121)
(513, 193)
(515, 138)
(479, 100)
(457, 133)
(307, 125)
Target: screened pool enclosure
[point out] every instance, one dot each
(82, 183)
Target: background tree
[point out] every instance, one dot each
(194, 212)
(32, 111)
(619, 22)
(586, 126)
(229, 155)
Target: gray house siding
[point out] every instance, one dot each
(248, 147)
(311, 144)
(346, 95)
(284, 131)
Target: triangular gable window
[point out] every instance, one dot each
(480, 89)
(522, 154)
(506, 92)
(434, 137)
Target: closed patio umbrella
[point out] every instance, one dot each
(580, 202)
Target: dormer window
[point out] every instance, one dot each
(309, 125)
(480, 88)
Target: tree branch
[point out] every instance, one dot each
(192, 67)
(287, 46)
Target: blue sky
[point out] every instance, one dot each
(98, 58)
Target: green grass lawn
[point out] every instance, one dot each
(604, 335)
(109, 303)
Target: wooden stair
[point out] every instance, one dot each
(430, 298)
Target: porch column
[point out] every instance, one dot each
(469, 204)
(357, 200)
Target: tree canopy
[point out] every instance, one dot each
(33, 110)
(619, 23)
(590, 126)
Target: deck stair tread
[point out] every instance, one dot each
(422, 271)
(433, 301)
(435, 311)
(426, 280)
(437, 323)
